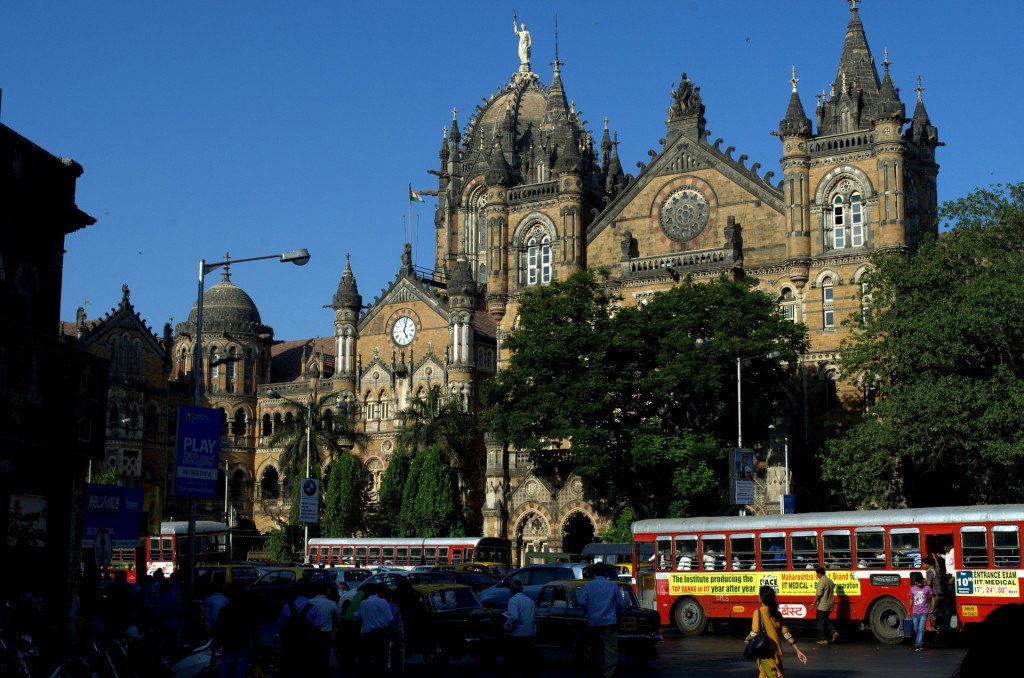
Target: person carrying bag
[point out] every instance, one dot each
(767, 623)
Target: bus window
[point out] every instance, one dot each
(154, 548)
(416, 556)
(870, 548)
(713, 552)
(442, 555)
(1006, 545)
(686, 551)
(167, 547)
(973, 547)
(347, 555)
(741, 546)
(335, 555)
(430, 555)
(905, 547)
(361, 556)
(838, 554)
(374, 555)
(773, 551)
(805, 550)
(389, 555)
(663, 551)
(403, 556)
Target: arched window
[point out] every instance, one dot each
(247, 371)
(136, 355)
(267, 428)
(787, 304)
(113, 347)
(538, 260)
(238, 425)
(223, 421)
(115, 415)
(838, 223)
(264, 368)
(383, 403)
(270, 485)
(845, 225)
(277, 422)
(327, 421)
(828, 314)
(856, 221)
(371, 406)
(214, 367)
(230, 369)
(289, 420)
(152, 418)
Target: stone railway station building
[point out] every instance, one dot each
(527, 195)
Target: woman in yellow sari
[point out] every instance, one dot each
(776, 630)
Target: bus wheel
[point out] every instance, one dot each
(884, 620)
(690, 617)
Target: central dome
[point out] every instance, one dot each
(226, 307)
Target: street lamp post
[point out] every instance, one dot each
(297, 257)
(771, 355)
(309, 434)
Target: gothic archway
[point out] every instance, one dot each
(577, 531)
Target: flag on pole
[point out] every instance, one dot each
(414, 196)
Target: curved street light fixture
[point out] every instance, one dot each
(299, 258)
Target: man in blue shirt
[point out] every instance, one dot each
(519, 631)
(601, 599)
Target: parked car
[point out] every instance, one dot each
(210, 576)
(562, 623)
(494, 570)
(533, 577)
(454, 624)
(276, 587)
(478, 581)
(348, 578)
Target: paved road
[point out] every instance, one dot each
(720, 656)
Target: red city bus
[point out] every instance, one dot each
(168, 551)
(408, 552)
(711, 568)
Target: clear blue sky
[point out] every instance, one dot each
(258, 127)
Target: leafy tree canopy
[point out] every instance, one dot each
(943, 347)
(385, 521)
(627, 396)
(343, 501)
(430, 505)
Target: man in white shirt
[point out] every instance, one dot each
(331, 614)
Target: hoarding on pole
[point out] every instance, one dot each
(197, 451)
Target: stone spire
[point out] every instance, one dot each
(347, 295)
(796, 122)
(889, 105)
(921, 130)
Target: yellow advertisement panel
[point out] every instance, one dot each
(744, 583)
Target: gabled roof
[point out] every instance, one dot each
(121, 317)
(286, 358)
(684, 154)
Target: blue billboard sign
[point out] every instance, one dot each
(115, 509)
(197, 452)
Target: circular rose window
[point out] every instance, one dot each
(684, 214)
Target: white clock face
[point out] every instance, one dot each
(403, 331)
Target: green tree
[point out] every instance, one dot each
(430, 504)
(344, 501)
(389, 500)
(620, 531)
(627, 397)
(323, 447)
(942, 347)
(279, 546)
(437, 419)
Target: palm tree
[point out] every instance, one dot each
(323, 440)
(437, 419)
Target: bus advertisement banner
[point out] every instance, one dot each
(116, 509)
(197, 451)
(745, 583)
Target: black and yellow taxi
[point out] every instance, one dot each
(562, 622)
(450, 623)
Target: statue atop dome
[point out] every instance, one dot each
(524, 44)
